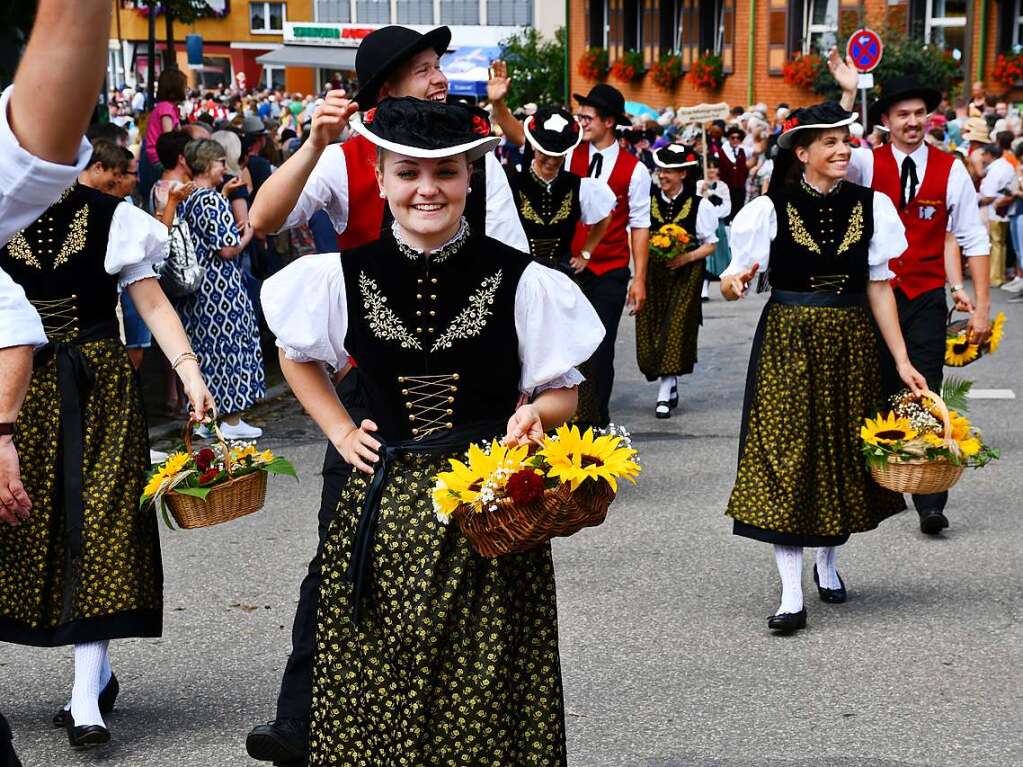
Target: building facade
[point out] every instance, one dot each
(756, 38)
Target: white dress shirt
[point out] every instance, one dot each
(960, 196)
(718, 189)
(327, 189)
(28, 186)
(1000, 175)
(639, 184)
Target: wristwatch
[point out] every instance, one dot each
(585, 255)
(955, 288)
(6, 427)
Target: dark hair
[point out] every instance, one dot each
(992, 149)
(172, 86)
(1004, 139)
(110, 156)
(712, 162)
(110, 132)
(787, 167)
(170, 146)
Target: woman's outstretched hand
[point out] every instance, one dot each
(734, 286)
(359, 448)
(524, 427)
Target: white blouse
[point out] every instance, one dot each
(756, 225)
(137, 243)
(557, 327)
(705, 189)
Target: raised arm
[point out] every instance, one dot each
(846, 76)
(497, 91)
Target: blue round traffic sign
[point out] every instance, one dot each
(865, 49)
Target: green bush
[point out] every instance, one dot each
(537, 67)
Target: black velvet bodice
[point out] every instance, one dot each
(680, 211)
(823, 240)
(58, 261)
(434, 336)
(549, 213)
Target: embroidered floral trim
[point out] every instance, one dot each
(441, 254)
(798, 229)
(855, 231)
(655, 211)
(383, 322)
(73, 244)
(565, 210)
(472, 319)
(529, 212)
(20, 250)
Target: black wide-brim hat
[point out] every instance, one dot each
(733, 128)
(552, 131)
(899, 89)
(607, 99)
(383, 50)
(675, 157)
(829, 114)
(427, 129)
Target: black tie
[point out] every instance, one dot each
(909, 181)
(596, 165)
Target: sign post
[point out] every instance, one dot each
(865, 49)
(702, 114)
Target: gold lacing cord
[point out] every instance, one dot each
(545, 247)
(828, 283)
(429, 398)
(59, 316)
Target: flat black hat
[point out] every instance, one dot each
(552, 131)
(383, 50)
(902, 88)
(429, 129)
(607, 99)
(828, 114)
(675, 157)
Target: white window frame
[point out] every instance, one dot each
(1017, 28)
(932, 22)
(268, 72)
(810, 29)
(266, 18)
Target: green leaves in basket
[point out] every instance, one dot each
(198, 492)
(280, 466)
(955, 391)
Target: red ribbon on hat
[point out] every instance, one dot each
(370, 114)
(792, 122)
(481, 126)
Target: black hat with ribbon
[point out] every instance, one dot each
(828, 114)
(383, 50)
(552, 131)
(427, 129)
(903, 88)
(675, 157)
(607, 99)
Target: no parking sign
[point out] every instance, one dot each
(865, 49)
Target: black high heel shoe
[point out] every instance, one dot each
(831, 596)
(107, 699)
(787, 623)
(86, 735)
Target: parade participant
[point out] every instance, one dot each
(433, 309)
(86, 565)
(666, 332)
(933, 193)
(733, 167)
(814, 369)
(714, 189)
(605, 280)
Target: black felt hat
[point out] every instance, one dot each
(828, 114)
(733, 128)
(675, 157)
(552, 131)
(429, 129)
(383, 50)
(607, 99)
(902, 88)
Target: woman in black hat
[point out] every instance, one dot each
(814, 370)
(667, 330)
(427, 653)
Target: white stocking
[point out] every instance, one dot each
(790, 567)
(667, 384)
(105, 673)
(827, 574)
(90, 658)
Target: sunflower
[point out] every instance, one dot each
(969, 447)
(887, 430)
(660, 241)
(167, 470)
(238, 453)
(959, 352)
(997, 330)
(466, 480)
(960, 426)
(932, 439)
(267, 456)
(672, 230)
(445, 501)
(575, 457)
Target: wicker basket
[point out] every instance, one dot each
(232, 499)
(922, 476)
(514, 528)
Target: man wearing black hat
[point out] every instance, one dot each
(733, 167)
(934, 195)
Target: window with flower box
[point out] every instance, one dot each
(596, 23)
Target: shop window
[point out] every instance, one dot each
(596, 23)
(459, 12)
(415, 12)
(373, 11)
(945, 25)
(272, 77)
(335, 11)
(266, 18)
(505, 13)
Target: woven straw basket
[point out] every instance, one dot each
(922, 476)
(515, 528)
(232, 499)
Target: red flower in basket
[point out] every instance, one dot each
(208, 476)
(204, 459)
(525, 487)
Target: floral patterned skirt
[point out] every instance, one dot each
(669, 325)
(455, 661)
(115, 589)
(814, 375)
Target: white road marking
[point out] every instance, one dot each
(991, 394)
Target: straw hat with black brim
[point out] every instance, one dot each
(552, 131)
(427, 129)
(903, 88)
(383, 50)
(675, 157)
(607, 99)
(830, 114)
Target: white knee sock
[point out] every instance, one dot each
(705, 293)
(827, 574)
(89, 662)
(790, 567)
(664, 392)
(105, 673)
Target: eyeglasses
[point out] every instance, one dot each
(584, 119)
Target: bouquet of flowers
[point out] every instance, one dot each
(959, 352)
(510, 499)
(669, 241)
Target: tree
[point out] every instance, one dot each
(536, 65)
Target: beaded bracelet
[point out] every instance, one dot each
(182, 357)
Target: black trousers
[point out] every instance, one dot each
(296, 696)
(607, 292)
(7, 756)
(923, 326)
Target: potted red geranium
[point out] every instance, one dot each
(629, 67)
(801, 70)
(593, 64)
(667, 71)
(707, 72)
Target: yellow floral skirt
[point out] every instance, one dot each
(115, 588)
(668, 327)
(455, 661)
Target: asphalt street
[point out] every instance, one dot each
(666, 656)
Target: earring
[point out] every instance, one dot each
(469, 190)
(382, 195)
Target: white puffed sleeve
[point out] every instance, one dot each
(706, 222)
(889, 240)
(306, 308)
(596, 200)
(557, 327)
(753, 228)
(137, 243)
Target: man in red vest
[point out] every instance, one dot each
(934, 195)
(605, 272)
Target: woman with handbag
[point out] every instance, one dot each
(428, 653)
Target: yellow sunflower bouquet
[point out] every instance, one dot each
(669, 241)
(511, 499)
(959, 352)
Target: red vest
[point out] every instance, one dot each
(922, 266)
(363, 194)
(613, 251)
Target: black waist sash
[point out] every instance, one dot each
(362, 546)
(817, 298)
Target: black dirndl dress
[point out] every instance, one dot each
(814, 375)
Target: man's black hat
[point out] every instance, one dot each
(429, 129)
(902, 88)
(733, 128)
(552, 131)
(608, 99)
(383, 50)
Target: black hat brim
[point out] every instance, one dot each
(438, 39)
(931, 97)
(603, 106)
(539, 147)
(472, 149)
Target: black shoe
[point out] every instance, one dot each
(85, 736)
(663, 409)
(7, 756)
(932, 522)
(832, 596)
(107, 699)
(284, 741)
(786, 623)
(673, 399)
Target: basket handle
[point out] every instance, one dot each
(187, 438)
(946, 419)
